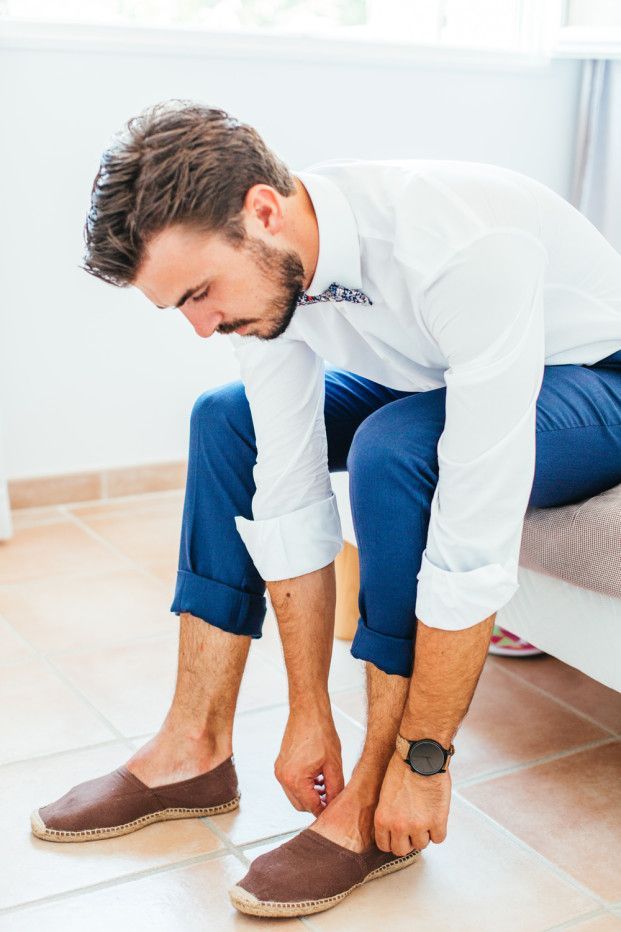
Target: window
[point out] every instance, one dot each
(590, 29)
(500, 25)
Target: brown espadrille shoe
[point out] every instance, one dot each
(308, 874)
(119, 803)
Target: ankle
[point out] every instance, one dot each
(212, 736)
(174, 749)
(365, 785)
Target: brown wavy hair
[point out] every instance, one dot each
(177, 162)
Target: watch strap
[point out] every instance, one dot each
(403, 747)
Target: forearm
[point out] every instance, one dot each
(447, 667)
(304, 608)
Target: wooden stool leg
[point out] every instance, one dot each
(347, 570)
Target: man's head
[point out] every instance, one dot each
(191, 207)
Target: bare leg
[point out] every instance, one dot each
(348, 819)
(197, 733)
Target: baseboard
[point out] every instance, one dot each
(105, 483)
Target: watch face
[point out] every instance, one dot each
(426, 757)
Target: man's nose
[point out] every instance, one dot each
(205, 326)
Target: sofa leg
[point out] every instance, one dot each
(347, 571)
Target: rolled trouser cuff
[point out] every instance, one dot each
(390, 654)
(218, 604)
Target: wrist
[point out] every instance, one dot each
(425, 756)
(310, 705)
(417, 730)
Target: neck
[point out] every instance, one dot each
(305, 230)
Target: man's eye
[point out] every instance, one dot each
(199, 297)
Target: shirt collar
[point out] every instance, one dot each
(339, 246)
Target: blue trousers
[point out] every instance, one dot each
(387, 441)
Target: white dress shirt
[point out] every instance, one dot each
(479, 276)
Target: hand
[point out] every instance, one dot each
(412, 810)
(309, 767)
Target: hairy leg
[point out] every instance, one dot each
(197, 733)
(348, 820)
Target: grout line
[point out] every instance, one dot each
(349, 718)
(114, 882)
(50, 755)
(526, 765)
(533, 853)
(578, 920)
(251, 845)
(74, 519)
(562, 702)
(46, 661)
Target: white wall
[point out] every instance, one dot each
(92, 376)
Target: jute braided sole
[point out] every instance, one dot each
(247, 903)
(53, 834)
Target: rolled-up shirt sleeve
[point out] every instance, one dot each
(484, 308)
(295, 526)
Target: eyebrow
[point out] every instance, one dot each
(184, 297)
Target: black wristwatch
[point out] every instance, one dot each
(425, 756)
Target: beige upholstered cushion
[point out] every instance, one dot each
(580, 543)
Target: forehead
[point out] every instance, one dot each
(177, 247)
(176, 259)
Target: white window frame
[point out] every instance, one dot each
(586, 41)
(542, 38)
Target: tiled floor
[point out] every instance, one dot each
(87, 657)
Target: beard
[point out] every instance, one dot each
(284, 274)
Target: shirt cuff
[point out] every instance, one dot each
(457, 600)
(293, 544)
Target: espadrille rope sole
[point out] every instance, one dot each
(247, 903)
(54, 834)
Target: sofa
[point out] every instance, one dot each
(569, 601)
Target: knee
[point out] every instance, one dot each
(383, 448)
(374, 444)
(217, 409)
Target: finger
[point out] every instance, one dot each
(382, 838)
(333, 779)
(421, 840)
(400, 844)
(308, 796)
(437, 835)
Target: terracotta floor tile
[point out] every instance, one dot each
(353, 702)
(91, 611)
(572, 686)
(264, 809)
(54, 550)
(32, 869)
(12, 648)
(148, 537)
(509, 723)
(569, 810)
(169, 502)
(41, 715)
(477, 880)
(132, 684)
(188, 899)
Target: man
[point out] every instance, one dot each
(463, 307)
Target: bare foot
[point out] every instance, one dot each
(168, 758)
(348, 819)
